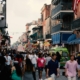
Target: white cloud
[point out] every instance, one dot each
(19, 12)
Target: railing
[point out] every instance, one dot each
(60, 27)
(61, 6)
(76, 24)
(55, 2)
(40, 37)
(56, 28)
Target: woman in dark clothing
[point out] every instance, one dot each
(78, 60)
(16, 72)
(28, 69)
(2, 64)
(5, 73)
(58, 57)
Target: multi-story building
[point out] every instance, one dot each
(3, 24)
(45, 16)
(2, 16)
(36, 32)
(76, 27)
(61, 18)
(48, 28)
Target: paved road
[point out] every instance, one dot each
(60, 78)
(44, 76)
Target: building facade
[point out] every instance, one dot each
(62, 16)
(3, 24)
(45, 14)
(76, 27)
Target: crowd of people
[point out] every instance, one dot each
(23, 66)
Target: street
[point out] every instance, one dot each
(44, 76)
(37, 34)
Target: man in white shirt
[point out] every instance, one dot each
(30, 56)
(34, 60)
(8, 59)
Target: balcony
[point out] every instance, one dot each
(75, 24)
(35, 28)
(56, 28)
(55, 2)
(40, 37)
(61, 27)
(48, 36)
(34, 36)
(61, 8)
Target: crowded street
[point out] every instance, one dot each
(58, 78)
(39, 39)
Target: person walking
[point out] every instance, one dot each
(78, 60)
(28, 69)
(34, 62)
(41, 65)
(48, 58)
(34, 59)
(58, 58)
(8, 59)
(70, 68)
(30, 56)
(53, 68)
(16, 71)
(19, 58)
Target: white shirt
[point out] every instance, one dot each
(8, 59)
(30, 56)
(34, 59)
(47, 60)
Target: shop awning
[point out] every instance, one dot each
(71, 38)
(33, 35)
(65, 37)
(76, 41)
(56, 38)
(61, 37)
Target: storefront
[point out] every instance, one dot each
(74, 40)
(61, 37)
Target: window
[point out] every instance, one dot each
(42, 17)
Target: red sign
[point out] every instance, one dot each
(75, 4)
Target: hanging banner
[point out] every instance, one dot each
(46, 44)
(29, 46)
(21, 48)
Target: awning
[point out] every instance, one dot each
(56, 38)
(33, 35)
(62, 37)
(71, 38)
(65, 37)
(76, 41)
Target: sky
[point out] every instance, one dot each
(20, 12)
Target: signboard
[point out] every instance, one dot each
(29, 47)
(20, 48)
